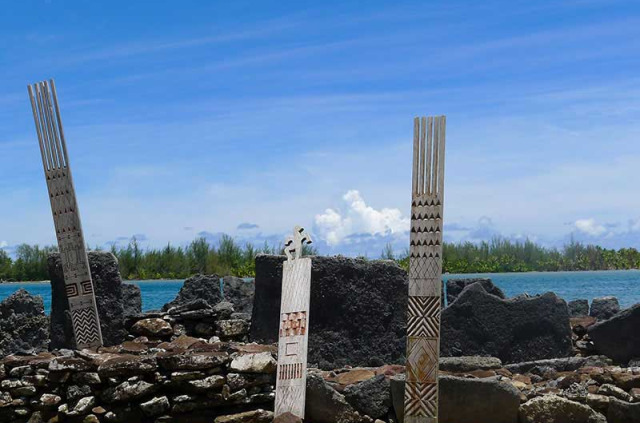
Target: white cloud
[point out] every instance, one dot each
(336, 227)
(634, 225)
(3, 244)
(590, 227)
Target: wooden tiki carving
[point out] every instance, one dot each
(291, 381)
(425, 271)
(73, 254)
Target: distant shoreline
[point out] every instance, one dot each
(443, 274)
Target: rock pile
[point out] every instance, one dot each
(186, 380)
(194, 318)
(23, 324)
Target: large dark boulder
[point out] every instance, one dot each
(515, 330)
(239, 292)
(618, 337)
(199, 287)
(131, 299)
(357, 315)
(109, 298)
(455, 287)
(604, 308)
(23, 324)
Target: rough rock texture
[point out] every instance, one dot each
(239, 292)
(554, 409)
(578, 308)
(357, 311)
(131, 299)
(174, 383)
(623, 412)
(324, 404)
(199, 287)
(455, 287)
(618, 337)
(467, 400)
(109, 297)
(604, 308)
(370, 397)
(23, 324)
(467, 364)
(514, 330)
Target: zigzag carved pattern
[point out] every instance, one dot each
(85, 325)
(423, 319)
(421, 400)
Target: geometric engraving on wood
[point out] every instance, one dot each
(423, 317)
(66, 218)
(425, 270)
(71, 290)
(291, 378)
(293, 324)
(421, 399)
(87, 287)
(422, 363)
(84, 324)
(290, 371)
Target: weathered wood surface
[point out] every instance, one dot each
(425, 271)
(66, 218)
(291, 381)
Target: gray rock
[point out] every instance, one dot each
(515, 330)
(555, 409)
(604, 308)
(23, 324)
(467, 400)
(618, 337)
(128, 391)
(109, 297)
(154, 328)
(623, 412)
(131, 299)
(324, 404)
(578, 308)
(351, 299)
(468, 364)
(370, 397)
(568, 364)
(199, 287)
(155, 406)
(239, 292)
(456, 286)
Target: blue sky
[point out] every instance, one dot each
(188, 118)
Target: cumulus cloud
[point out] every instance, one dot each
(3, 244)
(357, 218)
(590, 227)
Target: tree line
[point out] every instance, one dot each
(229, 257)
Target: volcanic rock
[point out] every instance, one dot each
(23, 324)
(515, 330)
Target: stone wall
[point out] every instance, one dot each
(186, 380)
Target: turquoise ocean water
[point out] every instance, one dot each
(624, 284)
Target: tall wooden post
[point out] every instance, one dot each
(291, 381)
(425, 271)
(66, 217)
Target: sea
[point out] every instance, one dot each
(623, 284)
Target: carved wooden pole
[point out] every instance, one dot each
(66, 217)
(291, 381)
(425, 271)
